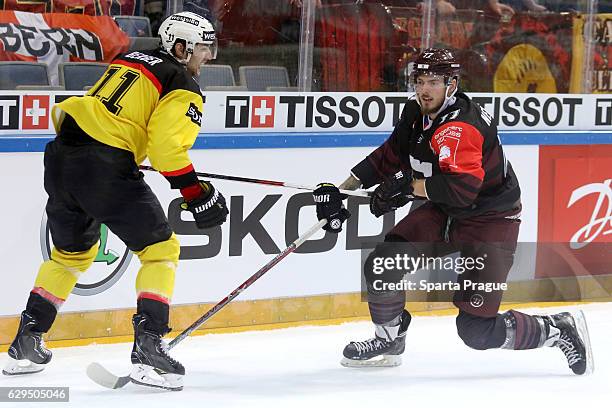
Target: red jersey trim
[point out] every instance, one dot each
(178, 172)
(56, 301)
(154, 296)
(142, 69)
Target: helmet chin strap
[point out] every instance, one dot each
(184, 61)
(448, 99)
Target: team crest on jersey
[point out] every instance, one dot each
(445, 153)
(194, 114)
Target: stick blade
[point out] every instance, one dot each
(101, 376)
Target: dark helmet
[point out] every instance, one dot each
(438, 61)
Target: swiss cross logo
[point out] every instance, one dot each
(262, 111)
(35, 112)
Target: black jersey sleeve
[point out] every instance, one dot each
(386, 159)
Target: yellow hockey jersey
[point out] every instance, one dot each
(147, 103)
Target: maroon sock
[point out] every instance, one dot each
(382, 313)
(524, 331)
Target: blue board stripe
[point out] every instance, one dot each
(15, 143)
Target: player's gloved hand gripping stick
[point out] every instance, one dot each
(328, 200)
(208, 208)
(394, 192)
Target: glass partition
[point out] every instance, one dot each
(253, 33)
(552, 46)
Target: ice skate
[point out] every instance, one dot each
(383, 350)
(152, 365)
(27, 353)
(569, 332)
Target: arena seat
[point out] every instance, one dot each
(216, 75)
(75, 76)
(260, 77)
(14, 73)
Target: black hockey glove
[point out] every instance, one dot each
(328, 199)
(208, 209)
(393, 193)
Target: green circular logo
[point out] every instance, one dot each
(111, 261)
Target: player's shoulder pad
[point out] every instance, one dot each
(181, 79)
(460, 111)
(478, 116)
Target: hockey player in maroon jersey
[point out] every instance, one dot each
(445, 150)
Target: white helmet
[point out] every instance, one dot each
(190, 27)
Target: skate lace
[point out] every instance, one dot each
(165, 350)
(39, 342)
(368, 345)
(42, 347)
(569, 349)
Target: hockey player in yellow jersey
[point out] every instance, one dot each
(146, 104)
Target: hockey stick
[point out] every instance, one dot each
(357, 193)
(100, 375)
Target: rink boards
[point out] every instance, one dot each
(559, 145)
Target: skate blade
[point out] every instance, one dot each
(19, 367)
(583, 330)
(149, 377)
(385, 361)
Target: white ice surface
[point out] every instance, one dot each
(299, 367)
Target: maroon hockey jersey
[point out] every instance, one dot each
(459, 155)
